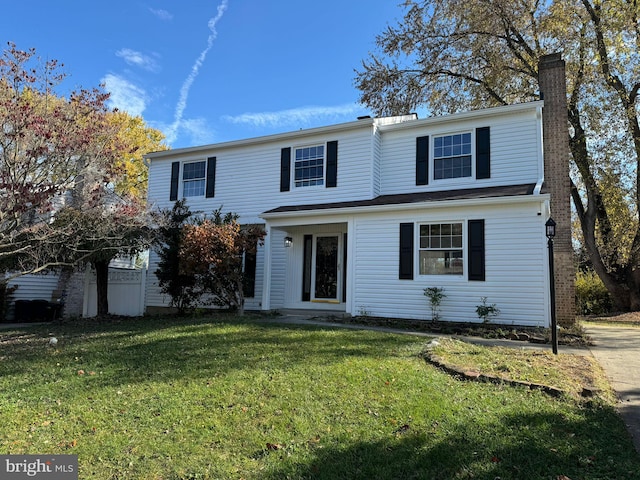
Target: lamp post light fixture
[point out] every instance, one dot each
(550, 232)
(288, 242)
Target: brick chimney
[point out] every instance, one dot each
(555, 125)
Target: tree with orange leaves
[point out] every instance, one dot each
(214, 250)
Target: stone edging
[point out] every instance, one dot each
(476, 376)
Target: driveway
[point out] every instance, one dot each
(617, 350)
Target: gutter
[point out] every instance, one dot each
(305, 214)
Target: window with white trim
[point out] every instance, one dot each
(441, 251)
(193, 179)
(452, 156)
(309, 166)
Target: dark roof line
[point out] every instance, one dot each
(404, 198)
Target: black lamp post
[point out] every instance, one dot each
(550, 231)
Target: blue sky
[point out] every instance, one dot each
(211, 71)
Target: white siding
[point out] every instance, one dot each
(377, 154)
(35, 287)
(248, 178)
(154, 298)
(278, 269)
(32, 287)
(516, 152)
(515, 268)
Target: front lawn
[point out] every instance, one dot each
(224, 399)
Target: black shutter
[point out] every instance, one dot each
(332, 164)
(344, 267)
(306, 267)
(422, 161)
(175, 179)
(406, 251)
(483, 153)
(285, 169)
(211, 177)
(249, 275)
(476, 250)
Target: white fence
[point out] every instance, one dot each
(125, 295)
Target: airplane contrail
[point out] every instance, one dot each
(186, 86)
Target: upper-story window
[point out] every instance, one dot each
(441, 251)
(193, 179)
(309, 166)
(452, 156)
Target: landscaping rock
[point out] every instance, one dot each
(471, 375)
(589, 392)
(537, 339)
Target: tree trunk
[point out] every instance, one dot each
(102, 285)
(240, 295)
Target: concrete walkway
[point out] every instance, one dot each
(617, 350)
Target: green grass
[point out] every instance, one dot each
(570, 373)
(205, 399)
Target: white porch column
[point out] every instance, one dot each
(266, 280)
(350, 267)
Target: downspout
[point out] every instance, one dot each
(538, 187)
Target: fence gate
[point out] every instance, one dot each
(126, 292)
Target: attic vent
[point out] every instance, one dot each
(364, 117)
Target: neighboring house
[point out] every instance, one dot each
(363, 216)
(77, 293)
(75, 290)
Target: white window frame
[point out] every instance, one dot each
(471, 155)
(461, 248)
(187, 192)
(315, 181)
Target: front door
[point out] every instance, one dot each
(326, 268)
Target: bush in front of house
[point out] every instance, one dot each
(592, 297)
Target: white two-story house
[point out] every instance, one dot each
(361, 217)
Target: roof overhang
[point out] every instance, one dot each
(510, 194)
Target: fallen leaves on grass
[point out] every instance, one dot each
(274, 446)
(400, 430)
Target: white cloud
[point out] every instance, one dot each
(125, 95)
(162, 14)
(198, 131)
(138, 59)
(192, 131)
(296, 116)
(195, 69)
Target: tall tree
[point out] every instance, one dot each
(108, 205)
(450, 55)
(45, 141)
(133, 139)
(72, 177)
